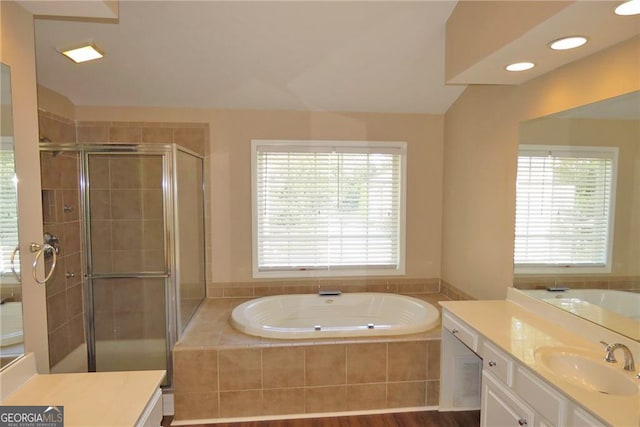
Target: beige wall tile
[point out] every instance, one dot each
(433, 360)
(407, 361)
(76, 332)
(74, 301)
(73, 265)
(433, 393)
(71, 199)
(241, 403)
(366, 396)
(283, 401)
(192, 406)
(70, 242)
(126, 235)
(125, 171)
(195, 371)
(105, 326)
(156, 135)
(406, 394)
(128, 295)
(93, 133)
(99, 174)
(57, 283)
(366, 363)
(129, 325)
(126, 204)
(56, 311)
(58, 345)
(325, 365)
(190, 138)
(152, 172)
(283, 367)
(240, 369)
(153, 260)
(153, 235)
(126, 261)
(124, 134)
(325, 399)
(69, 167)
(238, 292)
(152, 204)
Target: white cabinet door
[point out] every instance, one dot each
(500, 408)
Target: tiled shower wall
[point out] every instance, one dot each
(61, 216)
(118, 315)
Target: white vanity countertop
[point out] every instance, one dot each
(520, 332)
(92, 399)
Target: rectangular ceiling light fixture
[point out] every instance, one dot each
(83, 53)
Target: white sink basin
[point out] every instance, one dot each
(585, 370)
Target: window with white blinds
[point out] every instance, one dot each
(8, 209)
(564, 208)
(328, 208)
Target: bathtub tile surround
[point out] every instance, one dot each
(619, 283)
(311, 286)
(260, 376)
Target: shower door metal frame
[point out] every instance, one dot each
(168, 182)
(176, 236)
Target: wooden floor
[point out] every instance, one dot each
(405, 419)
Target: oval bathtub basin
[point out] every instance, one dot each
(345, 315)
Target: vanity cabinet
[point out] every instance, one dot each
(509, 393)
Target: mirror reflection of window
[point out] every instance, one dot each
(9, 211)
(11, 330)
(564, 209)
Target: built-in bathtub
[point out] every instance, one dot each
(11, 320)
(223, 374)
(341, 315)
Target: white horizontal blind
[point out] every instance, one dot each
(8, 211)
(563, 206)
(321, 207)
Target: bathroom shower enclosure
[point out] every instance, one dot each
(129, 223)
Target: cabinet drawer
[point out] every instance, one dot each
(502, 408)
(461, 331)
(542, 398)
(498, 363)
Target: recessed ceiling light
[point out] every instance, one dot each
(83, 53)
(520, 66)
(566, 43)
(631, 7)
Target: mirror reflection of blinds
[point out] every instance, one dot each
(563, 206)
(328, 208)
(8, 211)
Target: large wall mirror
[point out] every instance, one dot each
(578, 212)
(11, 331)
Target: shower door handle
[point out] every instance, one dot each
(40, 250)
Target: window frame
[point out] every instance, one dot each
(324, 145)
(561, 268)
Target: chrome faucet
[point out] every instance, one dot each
(628, 365)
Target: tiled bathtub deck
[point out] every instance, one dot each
(222, 373)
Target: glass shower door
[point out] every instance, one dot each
(127, 260)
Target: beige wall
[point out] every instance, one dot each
(231, 135)
(18, 51)
(481, 139)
